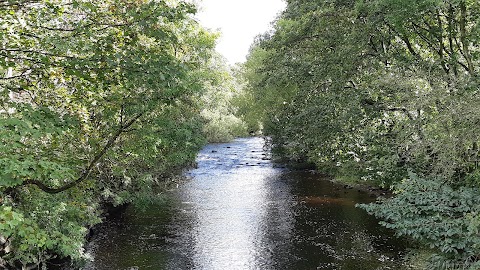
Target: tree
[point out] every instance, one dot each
(370, 90)
(218, 102)
(97, 106)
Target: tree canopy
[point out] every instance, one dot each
(380, 92)
(99, 105)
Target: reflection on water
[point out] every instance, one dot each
(239, 212)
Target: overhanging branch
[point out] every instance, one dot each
(86, 172)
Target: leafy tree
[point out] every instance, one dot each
(98, 106)
(372, 89)
(218, 102)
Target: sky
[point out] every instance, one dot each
(239, 22)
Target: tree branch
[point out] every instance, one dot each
(38, 52)
(89, 168)
(463, 37)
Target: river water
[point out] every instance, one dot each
(241, 211)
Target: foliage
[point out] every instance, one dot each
(222, 128)
(373, 89)
(98, 106)
(442, 218)
(356, 83)
(219, 110)
(257, 107)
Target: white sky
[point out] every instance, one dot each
(239, 21)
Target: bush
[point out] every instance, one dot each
(444, 219)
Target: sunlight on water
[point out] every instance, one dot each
(238, 211)
(226, 206)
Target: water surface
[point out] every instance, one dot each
(241, 211)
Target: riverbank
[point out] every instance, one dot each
(347, 182)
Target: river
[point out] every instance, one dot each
(238, 210)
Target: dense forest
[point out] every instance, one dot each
(386, 93)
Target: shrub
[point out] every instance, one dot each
(444, 219)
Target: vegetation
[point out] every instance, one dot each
(100, 103)
(218, 103)
(386, 92)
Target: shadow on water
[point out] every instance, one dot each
(239, 212)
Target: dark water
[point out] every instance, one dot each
(239, 211)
